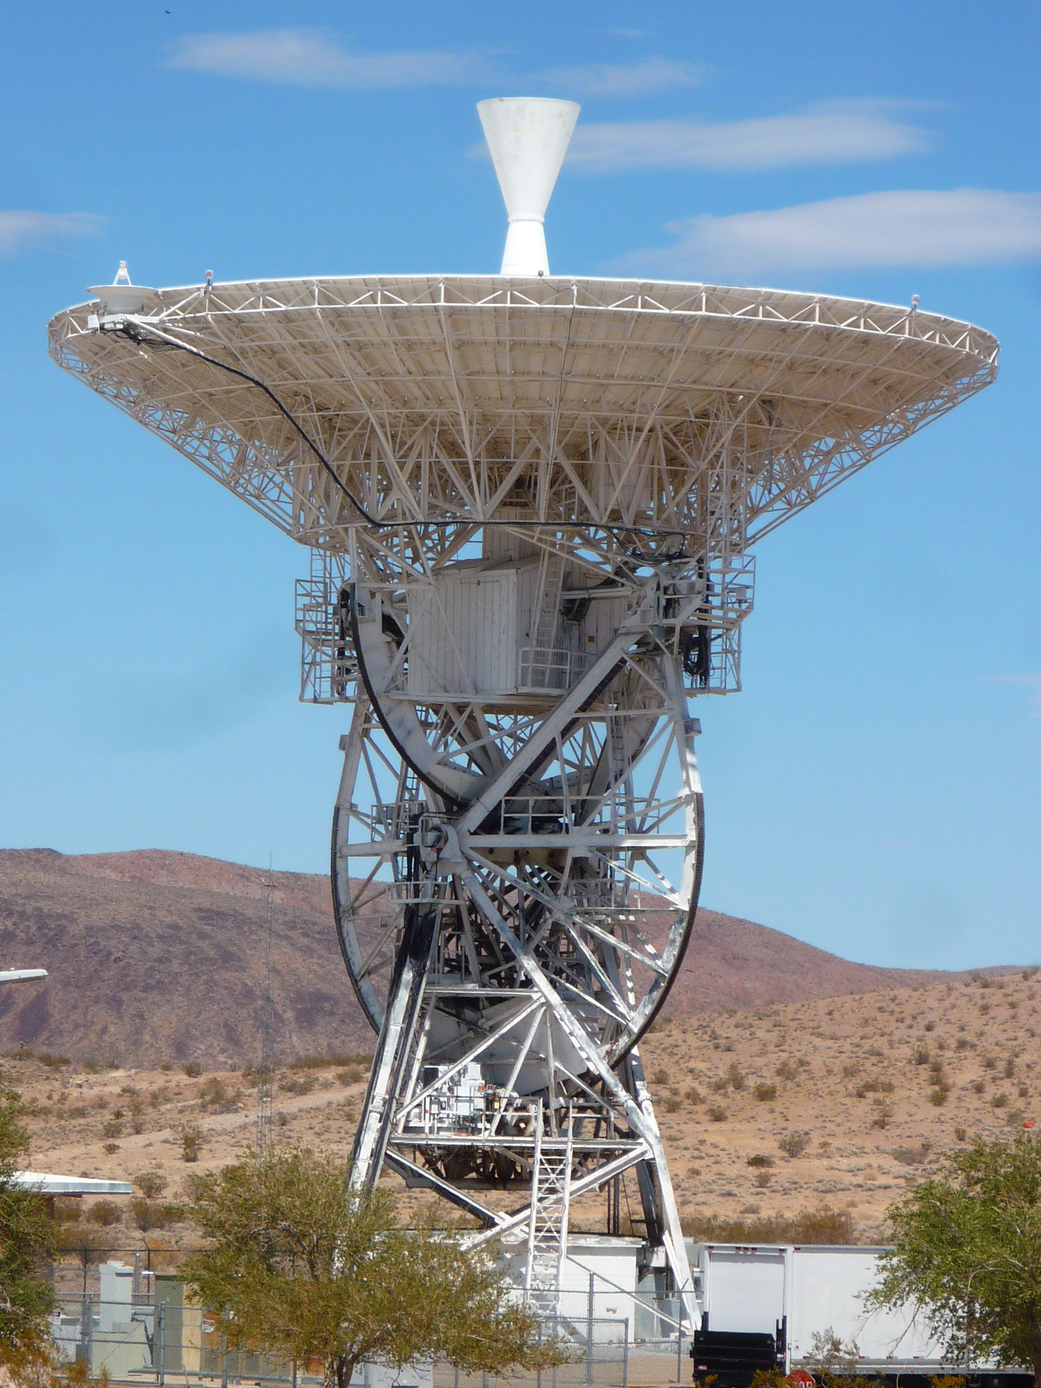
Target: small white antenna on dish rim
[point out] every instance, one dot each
(528, 137)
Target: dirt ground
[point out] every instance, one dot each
(836, 1102)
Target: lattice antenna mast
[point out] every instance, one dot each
(262, 1140)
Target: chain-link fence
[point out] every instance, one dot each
(133, 1322)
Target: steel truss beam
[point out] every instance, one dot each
(512, 927)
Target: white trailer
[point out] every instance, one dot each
(796, 1292)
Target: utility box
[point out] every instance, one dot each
(468, 628)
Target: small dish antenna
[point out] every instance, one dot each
(121, 296)
(528, 137)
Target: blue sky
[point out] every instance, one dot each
(875, 789)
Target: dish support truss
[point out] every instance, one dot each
(516, 873)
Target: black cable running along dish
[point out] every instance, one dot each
(160, 341)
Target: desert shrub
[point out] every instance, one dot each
(762, 1179)
(67, 1209)
(765, 1092)
(961, 1135)
(978, 1086)
(883, 1114)
(787, 1070)
(105, 1213)
(151, 1214)
(962, 1044)
(310, 1062)
(735, 1076)
(694, 1095)
(193, 1069)
(1010, 1068)
(999, 1101)
(851, 1068)
(213, 1091)
(112, 1127)
(147, 1215)
(672, 1104)
(53, 1062)
(911, 1156)
(166, 1067)
(151, 1184)
(717, 1113)
(759, 1159)
(938, 1096)
(191, 1136)
(331, 1062)
(719, 1086)
(793, 1144)
(303, 1084)
(929, 1026)
(351, 1076)
(215, 1095)
(822, 1225)
(660, 1076)
(989, 1063)
(921, 1055)
(110, 1147)
(873, 1086)
(1023, 1091)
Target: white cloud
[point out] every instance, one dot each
(966, 226)
(622, 79)
(838, 133)
(310, 58)
(19, 230)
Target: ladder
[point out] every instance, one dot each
(548, 1217)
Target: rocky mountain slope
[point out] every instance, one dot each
(158, 957)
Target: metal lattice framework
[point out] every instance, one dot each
(529, 505)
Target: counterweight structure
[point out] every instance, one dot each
(530, 503)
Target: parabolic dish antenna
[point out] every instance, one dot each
(530, 502)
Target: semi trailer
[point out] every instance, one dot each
(774, 1306)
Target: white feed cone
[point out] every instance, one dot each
(528, 137)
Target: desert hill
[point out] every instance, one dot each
(158, 957)
(822, 1104)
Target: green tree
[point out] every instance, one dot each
(26, 1246)
(300, 1267)
(968, 1251)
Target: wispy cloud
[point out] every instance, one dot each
(965, 226)
(835, 134)
(22, 230)
(314, 58)
(311, 58)
(622, 79)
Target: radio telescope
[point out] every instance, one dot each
(530, 502)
